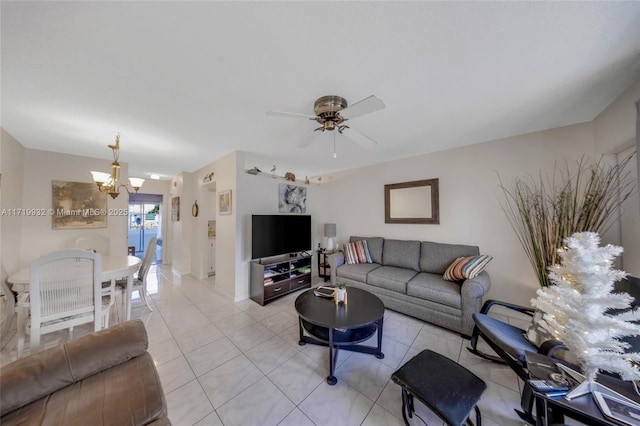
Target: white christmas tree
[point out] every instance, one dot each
(577, 309)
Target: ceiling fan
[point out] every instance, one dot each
(331, 113)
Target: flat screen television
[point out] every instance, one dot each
(274, 235)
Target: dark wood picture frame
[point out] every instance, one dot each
(432, 217)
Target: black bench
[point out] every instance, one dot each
(447, 388)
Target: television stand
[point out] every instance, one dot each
(276, 276)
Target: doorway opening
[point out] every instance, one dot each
(145, 222)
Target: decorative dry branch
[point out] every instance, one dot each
(543, 212)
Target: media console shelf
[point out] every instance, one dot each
(277, 276)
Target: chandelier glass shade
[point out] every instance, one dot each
(110, 182)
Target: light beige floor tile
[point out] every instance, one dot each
(226, 381)
(234, 322)
(365, 373)
(271, 354)
(164, 351)
(188, 404)
(174, 374)
(198, 337)
(489, 371)
(211, 420)
(336, 405)
(401, 330)
(211, 356)
(260, 404)
(378, 416)
(298, 377)
(250, 337)
(296, 418)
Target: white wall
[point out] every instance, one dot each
(12, 170)
(615, 132)
(224, 179)
(181, 186)
(469, 209)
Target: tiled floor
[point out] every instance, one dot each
(225, 363)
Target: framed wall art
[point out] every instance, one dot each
(412, 202)
(224, 202)
(292, 198)
(175, 209)
(77, 205)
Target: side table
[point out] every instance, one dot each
(552, 410)
(324, 270)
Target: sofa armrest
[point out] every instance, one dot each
(336, 259)
(476, 287)
(33, 377)
(472, 291)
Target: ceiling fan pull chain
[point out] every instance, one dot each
(334, 146)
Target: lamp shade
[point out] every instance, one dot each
(329, 230)
(100, 177)
(136, 182)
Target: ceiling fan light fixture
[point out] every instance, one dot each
(332, 111)
(329, 105)
(329, 125)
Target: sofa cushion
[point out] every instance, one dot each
(434, 288)
(435, 258)
(402, 254)
(357, 272)
(391, 278)
(466, 267)
(128, 394)
(357, 252)
(374, 244)
(40, 374)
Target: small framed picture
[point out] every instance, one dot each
(224, 202)
(626, 412)
(175, 209)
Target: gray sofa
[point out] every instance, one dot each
(407, 277)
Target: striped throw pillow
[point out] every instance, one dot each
(357, 252)
(466, 267)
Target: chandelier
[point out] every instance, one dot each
(109, 183)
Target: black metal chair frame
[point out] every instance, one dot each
(547, 348)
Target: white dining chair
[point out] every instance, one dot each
(140, 280)
(99, 244)
(65, 290)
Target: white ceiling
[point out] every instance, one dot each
(186, 83)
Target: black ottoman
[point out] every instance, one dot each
(447, 388)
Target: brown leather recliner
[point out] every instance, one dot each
(104, 378)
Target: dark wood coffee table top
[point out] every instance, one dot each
(363, 308)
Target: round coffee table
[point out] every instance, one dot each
(340, 326)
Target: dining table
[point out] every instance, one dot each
(113, 267)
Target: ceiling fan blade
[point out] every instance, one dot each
(290, 115)
(359, 138)
(362, 107)
(309, 138)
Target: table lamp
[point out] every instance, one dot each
(330, 232)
